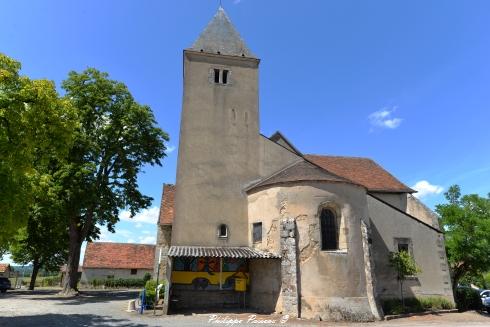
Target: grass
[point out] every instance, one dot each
(394, 306)
(47, 281)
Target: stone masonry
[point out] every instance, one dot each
(289, 273)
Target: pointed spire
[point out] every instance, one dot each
(221, 37)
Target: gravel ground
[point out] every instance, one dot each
(107, 308)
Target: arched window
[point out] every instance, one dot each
(328, 228)
(223, 231)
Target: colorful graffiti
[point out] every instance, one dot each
(204, 272)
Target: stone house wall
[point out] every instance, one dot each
(164, 236)
(89, 274)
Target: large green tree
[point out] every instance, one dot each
(115, 139)
(35, 126)
(44, 240)
(466, 224)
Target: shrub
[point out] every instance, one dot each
(467, 299)
(394, 306)
(146, 277)
(150, 287)
(118, 283)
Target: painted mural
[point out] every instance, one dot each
(205, 273)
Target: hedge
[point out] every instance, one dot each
(394, 306)
(118, 283)
(467, 299)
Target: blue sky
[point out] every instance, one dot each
(406, 83)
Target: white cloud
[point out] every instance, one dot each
(384, 118)
(146, 216)
(7, 259)
(425, 188)
(131, 241)
(138, 225)
(147, 240)
(105, 235)
(171, 148)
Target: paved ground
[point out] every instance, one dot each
(104, 308)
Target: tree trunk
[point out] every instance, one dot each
(457, 273)
(71, 278)
(35, 270)
(401, 293)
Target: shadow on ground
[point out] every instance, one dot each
(60, 320)
(83, 297)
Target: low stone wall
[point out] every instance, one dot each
(183, 298)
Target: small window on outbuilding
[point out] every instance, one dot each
(257, 232)
(223, 231)
(403, 244)
(134, 271)
(329, 234)
(402, 247)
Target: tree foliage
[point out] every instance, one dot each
(44, 241)
(466, 224)
(115, 139)
(35, 125)
(405, 266)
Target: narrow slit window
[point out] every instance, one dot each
(225, 77)
(216, 76)
(257, 232)
(223, 231)
(328, 230)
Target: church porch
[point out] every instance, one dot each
(221, 279)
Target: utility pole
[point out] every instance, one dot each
(158, 275)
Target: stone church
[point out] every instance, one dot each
(254, 223)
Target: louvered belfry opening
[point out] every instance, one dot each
(329, 230)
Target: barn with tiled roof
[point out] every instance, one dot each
(103, 260)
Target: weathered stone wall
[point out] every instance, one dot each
(398, 200)
(427, 247)
(274, 157)
(164, 235)
(265, 285)
(408, 203)
(331, 284)
(206, 300)
(416, 208)
(289, 268)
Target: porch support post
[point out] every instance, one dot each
(168, 284)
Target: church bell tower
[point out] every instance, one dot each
(219, 138)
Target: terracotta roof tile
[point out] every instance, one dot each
(301, 171)
(4, 267)
(363, 171)
(119, 255)
(167, 205)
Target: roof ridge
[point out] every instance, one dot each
(121, 243)
(337, 156)
(406, 213)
